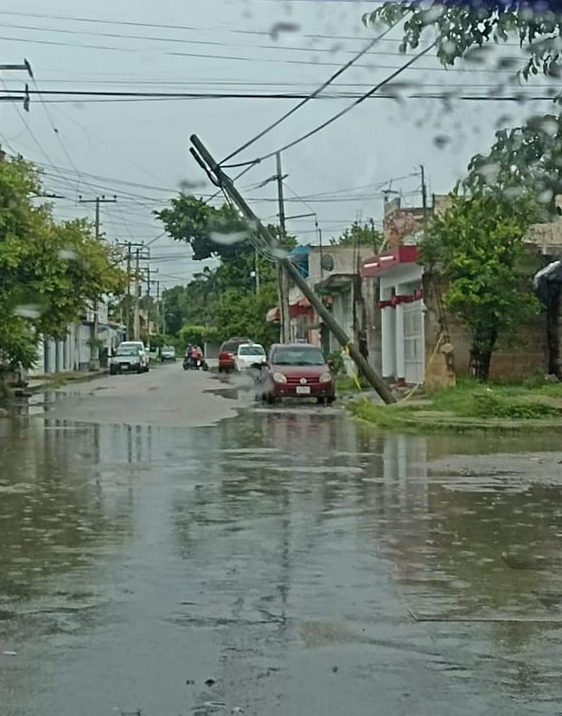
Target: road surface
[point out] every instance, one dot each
(168, 546)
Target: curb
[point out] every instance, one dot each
(47, 384)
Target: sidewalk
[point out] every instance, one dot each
(55, 380)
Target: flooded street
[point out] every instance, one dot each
(174, 549)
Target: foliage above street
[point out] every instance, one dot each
(464, 29)
(477, 250)
(361, 234)
(210, 232)
(49, 271)
(524, 161)
(233, 298)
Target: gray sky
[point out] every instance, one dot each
(138, 150)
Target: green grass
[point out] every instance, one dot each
(345, 384)
(471, 404)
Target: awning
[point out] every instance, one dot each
(335, 282)
(382, 262)
(273, 315)
(301, 307)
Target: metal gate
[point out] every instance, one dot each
(414, 353)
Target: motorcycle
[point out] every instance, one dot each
(190, 363)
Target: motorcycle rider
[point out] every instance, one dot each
(197, 356)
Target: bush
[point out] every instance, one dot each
(337, 362)
(492, 405)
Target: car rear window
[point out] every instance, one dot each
(251, 351)
(229, 347)
(298, 356)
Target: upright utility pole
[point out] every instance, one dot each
(138, 257)
(24, 97)
(423, 189)
(94, 341)
(206, 161)
(128, 245)
(282, 277)
(136, 320)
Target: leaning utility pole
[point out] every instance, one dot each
(94, 348)
(206, 161)
(282, 277)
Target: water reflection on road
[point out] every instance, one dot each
(300, 562)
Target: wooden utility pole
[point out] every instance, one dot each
(282, 277)
(94, 340)
(207, 162)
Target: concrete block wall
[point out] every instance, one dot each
(524, 353)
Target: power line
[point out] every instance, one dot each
(340, 114)
(55, 129)
(310, 97)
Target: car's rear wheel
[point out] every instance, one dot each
(112, 371)
(331, 400)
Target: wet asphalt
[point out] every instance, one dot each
(168, 546)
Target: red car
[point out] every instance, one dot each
(298, 370)
(227, 354)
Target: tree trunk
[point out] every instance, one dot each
(483, 343)
(552, 334)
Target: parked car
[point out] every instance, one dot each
(168, 353)
(127, 359)
(145, 360)
(297, 370)
(248, 355)
(227, 354)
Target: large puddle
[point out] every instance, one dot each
(299, 562)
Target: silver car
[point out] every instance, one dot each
(127, 359)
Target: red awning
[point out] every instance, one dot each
(378, 264)
(301, 307)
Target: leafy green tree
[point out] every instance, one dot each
(477, 247)
(49, 271)
(523, 161)
(361, 234)
(210, 232)
(226, 299)
(236, 314)
(462, 28)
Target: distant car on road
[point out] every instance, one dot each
(228, 352)
(248, 355)
(297, 370)
(127, 359)
(168, 353)
(142, 348)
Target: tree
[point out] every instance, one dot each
(463, 28)
(361, 235)
(48, 271)
(210, 232)
(526, 160)
(227, 298)
(477, 247)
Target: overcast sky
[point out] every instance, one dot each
(138, 149)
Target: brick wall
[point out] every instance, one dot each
(523, 353)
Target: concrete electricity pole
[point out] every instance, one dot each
(128, 245)
(205, 160)
(138, 258)
(282, 277)
(94, 348)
